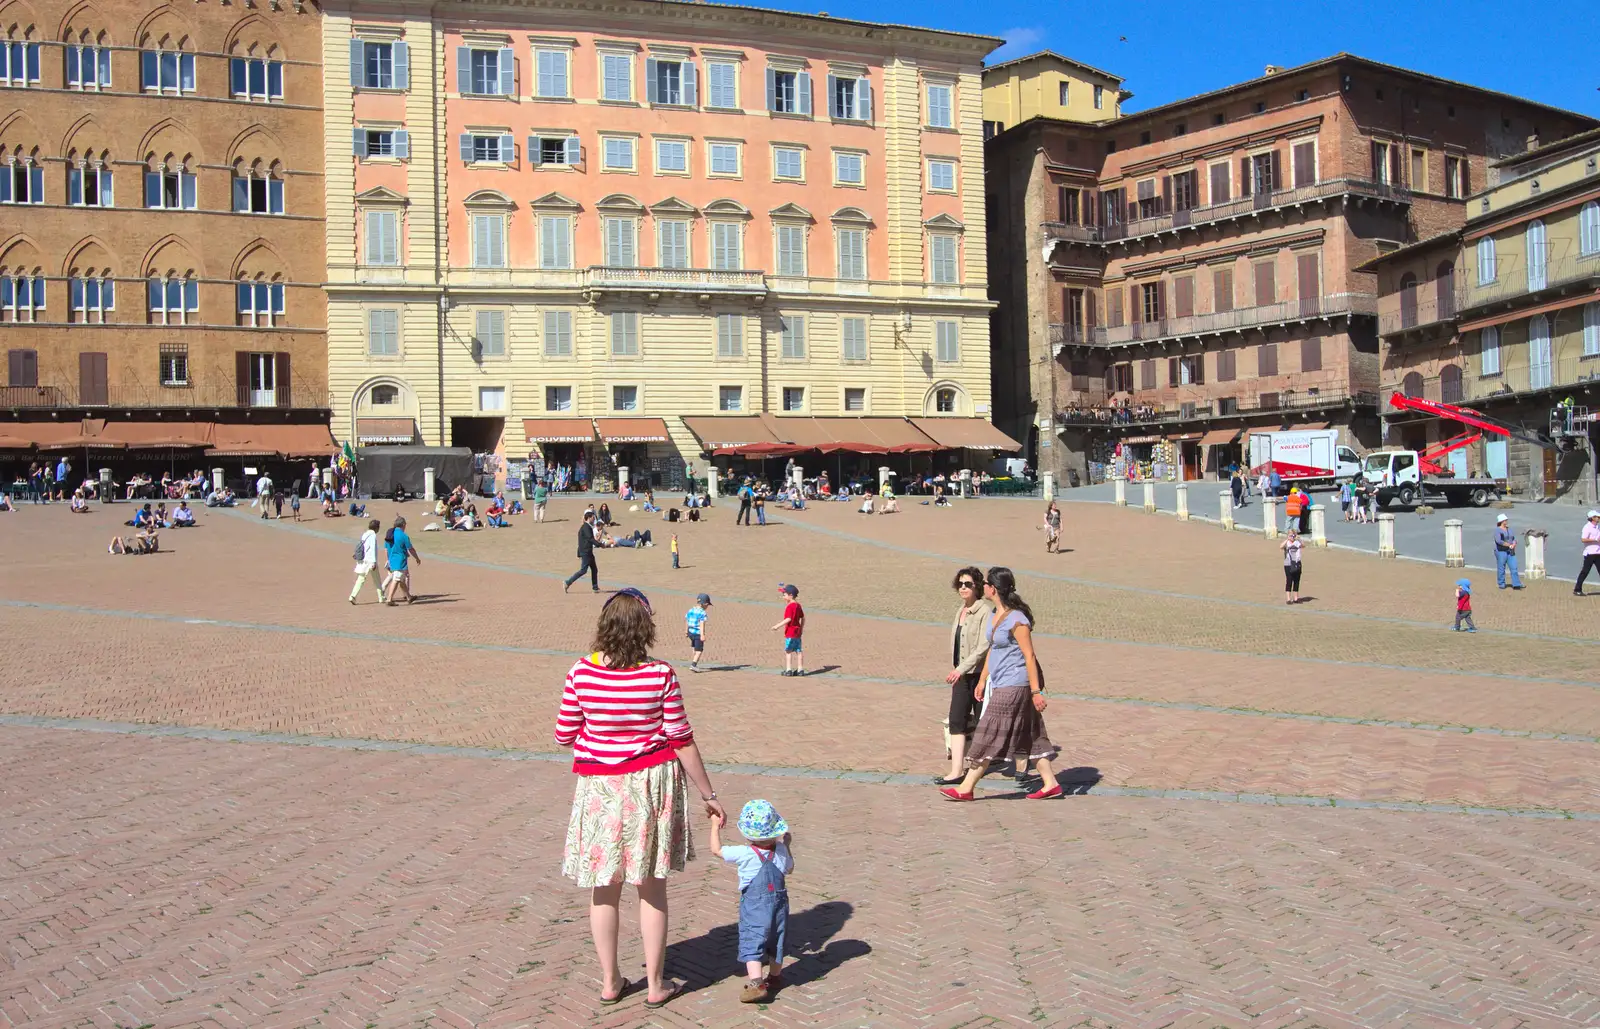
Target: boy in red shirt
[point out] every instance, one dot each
(793, 624)
(1464, 605)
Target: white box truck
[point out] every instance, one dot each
(1303, 457)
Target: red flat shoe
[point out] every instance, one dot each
(1054, 791)
(951, 793)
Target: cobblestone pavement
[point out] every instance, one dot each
(1230, 864)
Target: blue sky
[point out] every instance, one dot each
(1544, 51)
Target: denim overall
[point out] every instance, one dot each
(764, 912)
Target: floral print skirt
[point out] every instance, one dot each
(629, 827)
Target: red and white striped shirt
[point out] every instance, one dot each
(620, 720)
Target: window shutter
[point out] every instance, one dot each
(241, 193)
(1166, 194)
(1183, 296)
(1088, 310)
(402, 143)
(1266, 284)
(280, 378)
(1172, 371)
(651, 93)
(464, 70)
(1394, 165)
(1307, 266)
(833, 98)
(1245, 185)
(92, 378)
(864, 99)
(508, 71)
(74, 186)
(358, 63)
(35, 184)
(508, 148)
(1277, 169)
(274, 196)
(1377, 161)
(1091, 200)
(802, 89)
(466, 147)
(1311, 354)
(1161, 300)
(402, 64)
(574, 153)
(358, 141)
(1137, 314)
(535, 152)
(186, 190)
(241, 377)
(691, 84)
(772, 90)
(1267, 359)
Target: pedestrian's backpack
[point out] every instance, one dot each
(361, 549)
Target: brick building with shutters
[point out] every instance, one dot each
(1179, 277)
(161, 232)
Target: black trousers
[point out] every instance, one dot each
(964, 707)
(587, 566)
(1591, 562)
(743, 517)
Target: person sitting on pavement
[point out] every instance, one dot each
(495, 515)
(330, 506)
(603, 516)
(183, 516)
(141, 518)
(161, 519)
(890, 504)
(79, 504)
(220, 498)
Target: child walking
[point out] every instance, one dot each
(294, 505)
(675, 552)
(1464, 605)
(764, 865)
(696, 623)
(793, 626)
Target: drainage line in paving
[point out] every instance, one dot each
(826, 774)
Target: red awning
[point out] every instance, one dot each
(156, 435)
(1216, 436)
(854, 435)
(293, 440)
(965, 433)
(558, 430)
(759, 450)
(730, 433)
(632, 430)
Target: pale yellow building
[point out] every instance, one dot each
(1048, 85)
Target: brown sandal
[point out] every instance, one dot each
(673, 989)
(627, 988)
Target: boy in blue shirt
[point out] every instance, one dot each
(764, 866)
(695, 621)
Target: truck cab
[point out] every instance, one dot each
(1398, 475)
(1349, 466)
(1391, 468)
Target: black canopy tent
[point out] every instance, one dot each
(381, 470)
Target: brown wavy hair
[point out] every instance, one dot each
(626, 632)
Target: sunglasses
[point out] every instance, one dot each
(966, 584)
(630, 592)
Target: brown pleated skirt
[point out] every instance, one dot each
(1010, 729)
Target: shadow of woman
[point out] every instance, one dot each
(713, 957)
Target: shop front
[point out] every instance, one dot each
(644, 447)
(1221, 447)
(562, 453)
(1185, 451)
(385, 432)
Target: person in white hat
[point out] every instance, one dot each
(1591, 550)
(1505, 553)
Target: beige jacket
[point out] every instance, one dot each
(974, 635)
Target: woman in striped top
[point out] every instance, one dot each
(634, 755)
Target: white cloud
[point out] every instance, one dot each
(1018, 41)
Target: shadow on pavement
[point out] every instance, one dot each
(714, 957)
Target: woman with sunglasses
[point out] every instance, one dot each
(634, 754)
(1011, 727)
(969, 643)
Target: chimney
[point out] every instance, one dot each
(1272, 69)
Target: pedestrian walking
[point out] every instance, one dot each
(634, 754)
(1292, 506)
(1264, 485)
(277, 505)
(1346, 493)
(1590, 538)
(1464, 605)
(746, 498)
(695, 626)
(366, 560)
(1012, 725)
(1237, 486)
(1052, 528)
(764, 865)
(1505, 553)
(541, 497)
(969, 646)
(587, 538)
(294, 505)
(1293, 549)
(793, 626)
(400, 554)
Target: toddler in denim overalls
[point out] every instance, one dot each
(763, 893)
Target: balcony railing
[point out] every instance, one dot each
(1557, 375)
(134, 396)
(1417, 309)
(1217, 407)
(1282, 312)
(1511, 282)
(696, 280)
(1170, 221)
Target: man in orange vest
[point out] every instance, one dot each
(1292, 506)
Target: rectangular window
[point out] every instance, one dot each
(625, 334)
(1489, 351)
(490, 338)
(491, 398)
(1150, 301)
(1186, 190)
(22, 297)
(555, 241)
(672, 243)
(1220, 179)
(849, 98)
(1311, 354)
(383, 333)
(251, 78)
(1305, 164)
(1267, 359)
(616, 77)
(1227, 365)
(1488, 268)
(726, 246)
(947, 342)
(1183, 296)
(560, 150)
(730, 335)
(724, 158)
(622, 238)
(852, 254)
(1419, 170)
(788, 92)
(1455, 177)
(942, 266)
(552, 77)
(558, 398)
(794, 398)
(788, 163)
(1149, 205)
(172, 300)
(624, 398)
(377, 142)
(90, 187)
(378, 65)
(22, 183)
(855, 399)
(792, 250)
(1383, 162)
(670, 82)
(940, 109)
(847, 169)
(165, 71)
(484, 76)
(722, 85)
(253, 194)
(88, 67)
(22, 365)
(488, 241)
(173, 364)
(488, 148)
(557, 336)
(1067, 200)
(382, 238)
(792, 336)
(618, 154)
(260, 303)
(730, 398)
(1266, 284)
(1064, 96)
(853, 339)
(942, 176)
(1099, 98)
(672, 155)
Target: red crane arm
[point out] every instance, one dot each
(1466, 416)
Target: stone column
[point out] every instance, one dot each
(1122, 491)
(1049, 485)
(427, 485)
(1149, 497)
(1453, 556)
(1183, 501)
(1385, 534)
(216, 477)
(622, 478)
(1227, 510)
(1319, 525)
(1269, 517)
(799, 476)
(1534, 566)
(712, 474)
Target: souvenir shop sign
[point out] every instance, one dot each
(632, 430)
(558, 430)
(1143, 439)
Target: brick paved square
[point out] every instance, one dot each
(1334, 814)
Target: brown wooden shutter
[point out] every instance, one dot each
(1129, 204)
(93, 388)
(1307, 268)
(1225, 365)
(1172, 371)
(241, 377)
(1266, 284)
(1311, 354)
(1183, 296)
(281, 379)
(1200, 369)
(1061, 203)
(1377, 161)
(1137, 314)
(1090, 199)
(1305, 164)
(1244, 176)
(1088, 311)
(1277, 170)
(1161, 301)
(1267, 359)
(1222, 290)
(22, 367)
(1166, 194)
(1394, 165)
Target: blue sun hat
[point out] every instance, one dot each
(759, 820)
(1465, 584)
